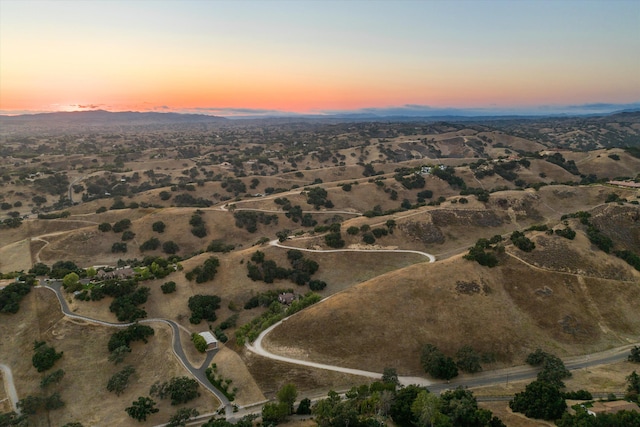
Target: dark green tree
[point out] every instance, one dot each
(142, 408)
(44, 356)
(287, 396)
(168, 287)
(178, 389)
(468, 360)
(53, 378)
(119, 381)
(181, 416)
(633, 387)
(539, 400)
(436, 364)
(170, 247)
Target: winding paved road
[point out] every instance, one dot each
(277, 243)
(197, 372)
(482, 379)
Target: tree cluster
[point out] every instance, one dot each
(480, 251)
(44, 356)
(437, 364)
(11, 296)
(198, 227)
(125, 337)
(300, 272)
(249, 220)
(522, 242)
(179, 389)
(203, 307)
(205, 272)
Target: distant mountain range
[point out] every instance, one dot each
(107, 118)
(102, 118)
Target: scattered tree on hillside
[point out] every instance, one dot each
(181, 416)
(634, 355)
(53, 378)
(158, 227)
(468, 360)
(205, 272)
(179, 389)
(44, 356)
(168, 287)
(522, 242)
(203, 307)
(142, 408)
(120, 380)
(121, 225)
(11, 296)
(119, 247)
(150, 245)
(436, 364)
(170, 247)
(104, 227)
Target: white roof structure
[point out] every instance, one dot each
(209, 338)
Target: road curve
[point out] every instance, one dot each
(431, 257)
(482, 379)
(10, 387)
(257, 348)
(197, 372)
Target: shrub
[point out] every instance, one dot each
(44, 357)
(334, 240)
(368, 238)
(170, 247)
(199, 342)
(352, 231)
(522, 242)
(120, 380)
(539, 400)
(11, 296)
(104, 227)
(178, 389)
(121, 225)
(317, 285)
(119, 247)
(205, 272)
(567, 233)
(150, 245)
(168, 287)
(128, 235)
(203, 307)
(158, 227)
(436, 364)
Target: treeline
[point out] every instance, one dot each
(261, 269)
(274, 314)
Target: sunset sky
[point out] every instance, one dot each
(320, 57)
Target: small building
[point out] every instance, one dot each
(212, 342)
(286, 298)
(121, 273)
(612, 407)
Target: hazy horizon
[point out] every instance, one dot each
(275, 58)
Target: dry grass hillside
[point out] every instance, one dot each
(507, 311)
(85, 363)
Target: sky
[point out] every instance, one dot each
(266, 57)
